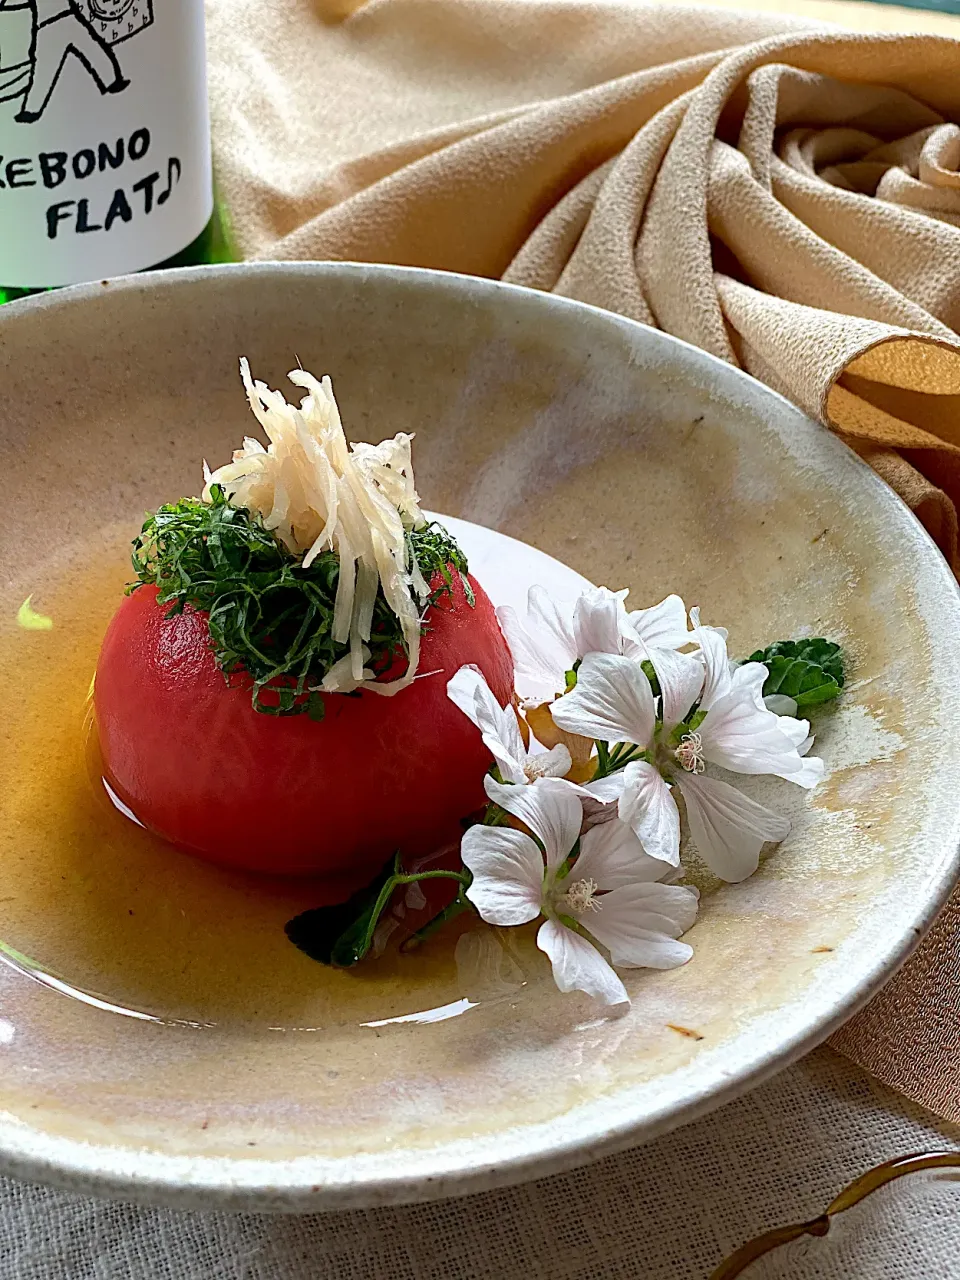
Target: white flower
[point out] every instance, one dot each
(611, 891)
(500, 731)
(553, 637)
(613, 703)
(739, 732)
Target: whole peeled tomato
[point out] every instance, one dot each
(188, 754)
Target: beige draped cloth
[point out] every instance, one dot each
(783, 194)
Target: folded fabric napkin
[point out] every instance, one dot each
(783, 194)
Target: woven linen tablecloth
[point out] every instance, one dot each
(668, 1211)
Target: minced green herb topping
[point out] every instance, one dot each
(268, 616)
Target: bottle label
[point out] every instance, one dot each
(104, 137)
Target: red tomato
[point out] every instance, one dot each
(289, 795)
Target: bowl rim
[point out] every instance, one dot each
(311, 1183)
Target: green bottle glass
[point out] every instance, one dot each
(104, 141)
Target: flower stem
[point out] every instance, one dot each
(393, 882)
(612, 759)
(450, 912)
(462, 876)
(494, 816)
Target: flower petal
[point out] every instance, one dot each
(606, 790)
(639, 924)
(551, 808)
(613, 856)
(781, 704)
(600, 799)
(713, 651)
(696, 624)
(553, 622)
(550, 734)
(810, 774)
(461, 688)
(612, 701)
(728, 828)
(555, 763)
(507, 872)
(680, 676)
(578, 965)
(739, 733)
(498, 725)
(811, 769)
(540, 658)
(797, 731)
(647, 806)
(598, 618)
(749, 679)
(664, 626)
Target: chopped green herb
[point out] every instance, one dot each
(268, 616)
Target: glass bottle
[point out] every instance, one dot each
(104, 141)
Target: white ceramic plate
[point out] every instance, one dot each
(210, 1064)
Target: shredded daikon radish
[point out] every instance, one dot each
(317, 493)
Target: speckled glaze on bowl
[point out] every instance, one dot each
(635, 459)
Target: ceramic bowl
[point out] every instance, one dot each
(159, 1038)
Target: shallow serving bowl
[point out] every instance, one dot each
(157, 1040)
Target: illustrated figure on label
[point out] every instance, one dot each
(58, 28)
